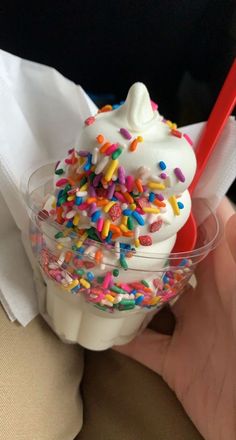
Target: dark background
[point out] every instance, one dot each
(181, 49)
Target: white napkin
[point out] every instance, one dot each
(41, 114)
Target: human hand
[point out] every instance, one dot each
(199, 360)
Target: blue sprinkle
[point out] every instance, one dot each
(88, 164)
(162, 165)
(90, 276)
(165, 279)
(81, 250)
(78, 200)
(183, 262)
(69, 224)
(138, 218)
(115, 106)
(109, 237)
(127, 212)
(139, 299)
(75, 289)
(151, 197)
(96, 215)
(114, 199)
(180, 205)
(133, 291)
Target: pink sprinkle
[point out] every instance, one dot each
(90, 120)
(139, 210)
(176, 133)
(125, 133)
(107, 280)
(68, 161)
(111, 149)
(126, 287)
(179, 174)
(110, 191)
(61, 182)
(83, 206)
(154, 105)
(100, 224)
(160, 197)
(129, 181)
(145, 240)
(188, 139)
(71, 151)
(163, 175)
(121, 175)
(120, 197)
(92, 192)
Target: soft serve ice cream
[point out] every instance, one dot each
(120, 198)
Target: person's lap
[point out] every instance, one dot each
(39, 383)
(40, 377)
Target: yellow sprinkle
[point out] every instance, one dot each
(111, 169)
(72, 285)
(123, 228)
(70, 198)
(156, 185)
(174, 205)
(106, 228)
(151, 210)
(169, 123)
(84, 187)
(84, 283)
(140, 139)
(155, 300)
(110, 298)
(108, 206)
(76, 220)
(136, 242)
(54, 204)
(81, 240)
(59, 246)
(132, 206)
(124, 220)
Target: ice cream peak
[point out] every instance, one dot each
(137, 109)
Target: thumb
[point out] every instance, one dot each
(230, 232)
(149, 348)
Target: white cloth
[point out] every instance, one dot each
(41, 114)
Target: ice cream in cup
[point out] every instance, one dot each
(105, 220)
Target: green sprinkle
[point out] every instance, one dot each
(60, 171)
(92, 234)
(91, 177)
(127, 302)
(117, 289)
(80, 271)
(126, 306)
(145, 283)
(62, 200)
(116, 272)
(104, 308)
(130, 223)
(123, 262)
(58, 235)
(66, 189)
(83, 181)
(116, 153)
(100, 279)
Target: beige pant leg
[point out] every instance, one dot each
(39, 383)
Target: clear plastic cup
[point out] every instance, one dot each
(83, 298)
